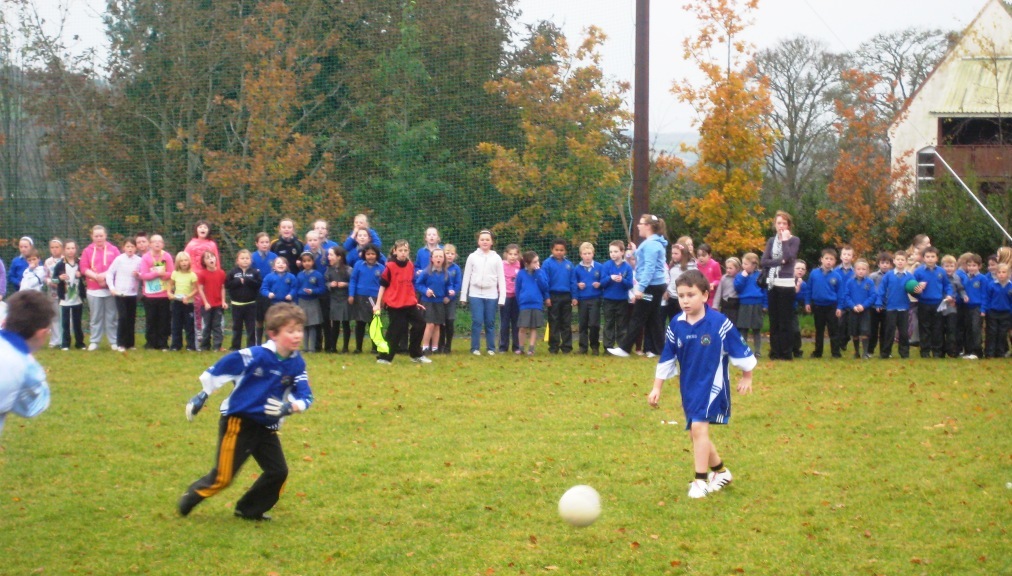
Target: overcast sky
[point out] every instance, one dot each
(842, 24)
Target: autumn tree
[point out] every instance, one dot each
(731, 105)
(860, 198)
(269, 167)
(565, 176)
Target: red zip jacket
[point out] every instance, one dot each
(398, 278)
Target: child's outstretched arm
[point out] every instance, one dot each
(667, 367)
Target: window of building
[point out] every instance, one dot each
(926, 165)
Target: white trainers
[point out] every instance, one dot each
(382, 361)
(476, 352)
(969, 356)
(651, 355)
(698, 489)
(718, 480)
(92, 347)
(491, 352)
(616, 351)
(421, 360)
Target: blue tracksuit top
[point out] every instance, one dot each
(454, 279)
(976, 288)
(858, 291)
(747, 287)
(559, 274)
(588, 276)
(435, 280)
(892, 291)
(825, 287)
(365, 279)
(938, 286)
(280, 285)
(265, 264)
(650, 258)
(532, 290)
(611, 290)
(314, 281)
(999, 298)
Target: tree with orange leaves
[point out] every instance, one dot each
(734, 138)
(860, 195)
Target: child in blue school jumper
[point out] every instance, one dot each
(559, 273)
(364, 284)
(586, 287)
(826, 285)
(997, 309)
(270, 383)
(932, 288)
(877, 330)
(893, 299)
(616, 282)
(802, 294)
(432, 284)
(752, 300)
(532, 296)
(263, 260)
(312, 286)
(455, 276)
(858, 300)
(846, 271)
(975, 285)
(280, 285)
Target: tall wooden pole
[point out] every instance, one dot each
(641, 114)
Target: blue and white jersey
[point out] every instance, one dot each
(703, 351)
(23, 387)
(259, 373)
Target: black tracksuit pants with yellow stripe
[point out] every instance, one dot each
(238, 439)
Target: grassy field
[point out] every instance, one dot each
(841, 467)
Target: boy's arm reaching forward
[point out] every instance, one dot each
(666, 367)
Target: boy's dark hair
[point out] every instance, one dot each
(281, 314)
(692, 278)
(846, 247)
(560, 241)
(28, 312)
(830, 251)
(618, 243)
(929, 250)
(885, 256)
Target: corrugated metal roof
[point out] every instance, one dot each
(975, 89)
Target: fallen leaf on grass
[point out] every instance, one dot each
(551, 567)
(634, 545)
(676, 563)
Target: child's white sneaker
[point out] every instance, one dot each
(718, 480)
(616, 351)
(421, 360)
(698, 489)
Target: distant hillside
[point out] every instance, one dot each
(671, 142)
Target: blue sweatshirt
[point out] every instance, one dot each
(532, 290)
(588, 276)
(365, 279)
(280, 285)
(858, 291)
(892, 291)
(314, 281)
(650, 270)
(559, 275)
(937, 285)
(265, 264)
(422, 258)
(454, 279)
(975, 287)
(802, 296)
(845, 273)
(612, 290)
(16, 271)
(826, 287)
(436, 281)
(747, 287)
(999, 298)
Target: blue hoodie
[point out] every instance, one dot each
(650, 260)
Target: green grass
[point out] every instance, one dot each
(841, 467)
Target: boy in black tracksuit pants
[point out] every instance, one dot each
(243, 285)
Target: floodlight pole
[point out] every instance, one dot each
(641, 115)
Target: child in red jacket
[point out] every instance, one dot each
(397, 291)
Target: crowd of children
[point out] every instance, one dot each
(948, 306)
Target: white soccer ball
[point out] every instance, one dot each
(580, 505)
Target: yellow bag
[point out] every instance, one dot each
(376, 334)
(546, 331)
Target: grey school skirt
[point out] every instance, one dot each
(531, 318)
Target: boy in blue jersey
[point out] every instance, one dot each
(23, 387)
(997, 308)
(975, 286)
(877, 329)
(704, 342)
(587, 298)
(892, 298)
(932, 289)
(270, 383)
(846, 272)
(825, 286)
(559, 273)
(858, 300)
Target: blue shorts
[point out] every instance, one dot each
(706, 405)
